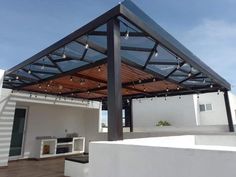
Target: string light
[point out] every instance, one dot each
(190, 72)
(60, 87)
(64, 56)
(82, 81)
(178, 65)
(99, 68)
(156, 53)
(127, 34)
(42, 67)
(86, 46)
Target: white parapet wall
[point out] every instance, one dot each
(164, 156)
(7, 110)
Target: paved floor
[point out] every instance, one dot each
(32, 168)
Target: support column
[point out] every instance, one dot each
(228, 111)
(115, 129)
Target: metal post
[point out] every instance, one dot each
(228, 112)
(115, 130)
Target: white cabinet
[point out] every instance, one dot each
(50, 147)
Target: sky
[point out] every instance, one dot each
(206, 27)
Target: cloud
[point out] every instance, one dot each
(214, 41)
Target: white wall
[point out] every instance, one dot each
(7, 110)
(218, 114)
(138, 159)
(178, 112)
(182, 112)
(51, 120)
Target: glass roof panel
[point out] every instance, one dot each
(72, 64)
(93, 55)
(162, 69)
(141, 42)
(26, 74)
(42, 68)
(163, 56)
(137, 57)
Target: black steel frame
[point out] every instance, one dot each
(135, 16)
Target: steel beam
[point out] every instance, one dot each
(115, 129)
(228, 111)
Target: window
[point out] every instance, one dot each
(202, 107)
(205, 107)
(208, 107)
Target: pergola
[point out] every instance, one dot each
(122, 54)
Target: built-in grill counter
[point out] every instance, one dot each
(53, 147)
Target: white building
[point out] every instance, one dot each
(205, 110)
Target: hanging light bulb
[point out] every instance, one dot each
(99, 68)
(140, 81)
(127, 34)
(42, 67)
(167, 89)
(9, 80)
(190, 72)
(156, 53)
(204, 81)
(99, 85)
(211, 86)
(86, 46)
(178, 88)
(154, 79)
(144, 89)
(71, 78)
(40, 86)
(64, 56)
(17, 77)
(29, 72)
(60, 87)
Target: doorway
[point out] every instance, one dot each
(18, 134)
